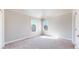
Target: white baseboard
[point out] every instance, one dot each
(15, 40)
(20, 39)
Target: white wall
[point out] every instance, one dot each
(18, 26)
(60, 26)
(1, 28)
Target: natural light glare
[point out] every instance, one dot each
(49, 37)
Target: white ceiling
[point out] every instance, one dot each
(40, 13)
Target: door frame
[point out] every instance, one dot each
(3, 42)
(74, 13)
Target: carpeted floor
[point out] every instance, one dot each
(40, 42)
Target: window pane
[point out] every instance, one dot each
(34, 23)
(33, 28)
(45, 22)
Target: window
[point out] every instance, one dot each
(36, 25)
(33, 28)
(33, 23)
(45, 23)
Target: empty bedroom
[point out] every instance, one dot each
(38, 29)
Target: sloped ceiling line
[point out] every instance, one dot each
(41, 13)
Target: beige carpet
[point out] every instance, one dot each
(40, 42)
